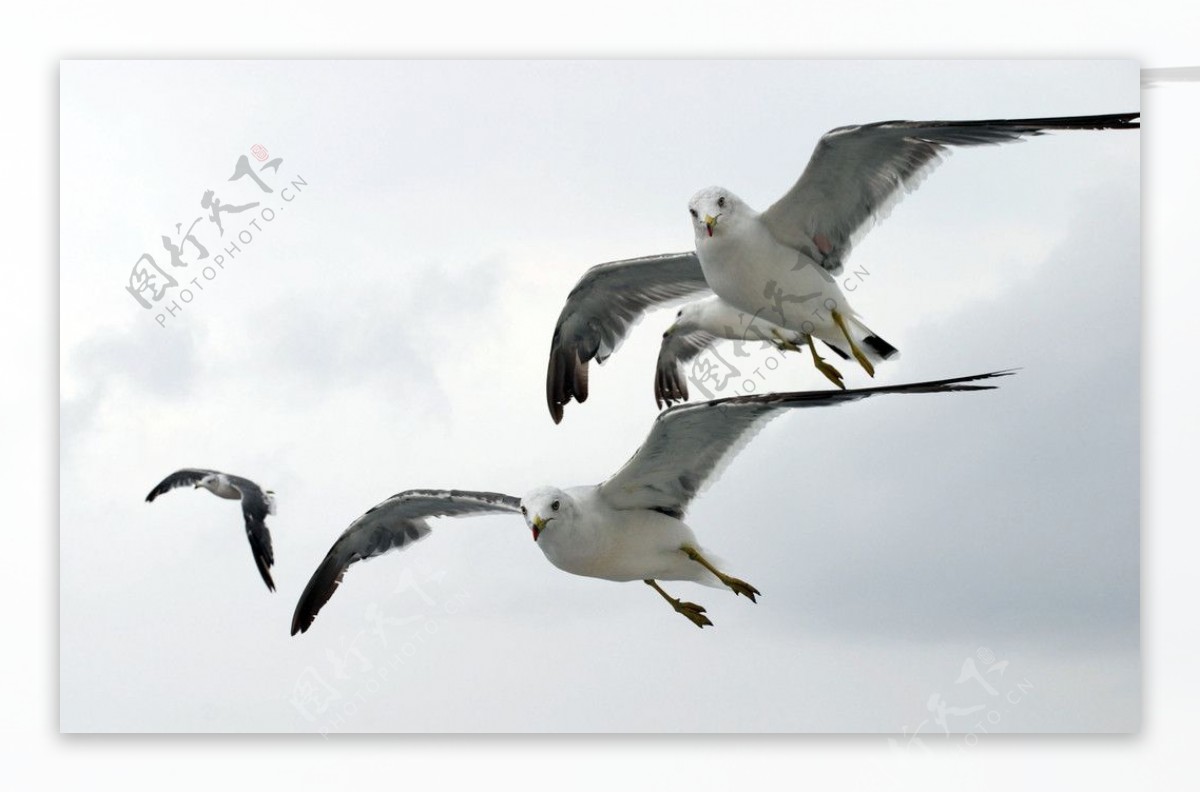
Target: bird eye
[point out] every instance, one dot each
(694, 213)
(679, 313)
(523, 510)
(554, 506)
(721, 201)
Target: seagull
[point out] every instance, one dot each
(628, 528)
(256, 505)
(780, 265)
(699, 325)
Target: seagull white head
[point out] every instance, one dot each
(209, 481)
(686, 318)
(713, 208)
(545, 506)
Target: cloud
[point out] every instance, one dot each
(114, 364)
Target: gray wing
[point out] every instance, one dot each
(181, 478)
(690, 444)
(677, 350)
(858, 173)
(609, 299)
(256, 505)
(395, 523)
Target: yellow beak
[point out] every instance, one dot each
(711, 222)
(539, 523)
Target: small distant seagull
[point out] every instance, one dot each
(256, 505)
(629, 528)
(780, 264)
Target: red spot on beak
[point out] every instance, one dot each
(534, 530)
(710, 229)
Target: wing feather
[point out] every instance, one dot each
(392, 524)
(603, 306)
(858, 173)
(181, 478)
(256, 505)
(678, 349)
(689, 445)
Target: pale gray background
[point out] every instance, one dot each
(389, 330)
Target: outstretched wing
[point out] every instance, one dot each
(858, 173)
(689, 445)
(181, 478)
(256, 505)
(395, 523)
(609, 299)
(678, 349)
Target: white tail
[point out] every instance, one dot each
(872, 344)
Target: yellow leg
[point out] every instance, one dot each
(858, 354)
(739, 586)
(829, 371)
(783, 343)
(693, 612)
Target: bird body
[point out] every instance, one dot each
(721, 319)
(594, 539)
(753, 272)
(220, 486)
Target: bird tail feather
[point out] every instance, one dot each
(872, 344)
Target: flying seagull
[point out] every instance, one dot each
(699, 325)
(779, 265)
(256, 505)
(628, 528)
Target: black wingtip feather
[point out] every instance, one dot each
(566, 379)
(881, 347)
(317, 593)
(265, 571)
(669, 387)
(838, 351)
(580, 380)
(1035, 126)
(797, 398)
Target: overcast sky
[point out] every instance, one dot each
(388, 329)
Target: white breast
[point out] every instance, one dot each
(749, 269)
(620, 545)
